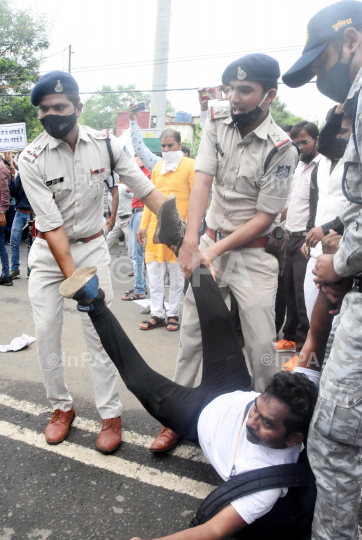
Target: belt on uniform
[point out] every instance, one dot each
(258, 242)
(74, 242)
(134, 210)
(298, 233)
(23, 210)
(125, 216)
(357, 284)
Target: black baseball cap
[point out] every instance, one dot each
(328, 24)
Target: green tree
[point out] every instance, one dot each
(100, 110)
(194, 146)
(281, 115)
(23, 34)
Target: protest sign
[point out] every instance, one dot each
(12, 137)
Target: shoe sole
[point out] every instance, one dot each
(7, 284)
(107, 451)
(71, 286)
(156, 234)
(166, 449)
(16, 277)
(286, 350)
(58, 442)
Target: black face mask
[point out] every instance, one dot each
(307, 158)
(59, 126)
(335, 83)
(244, 120)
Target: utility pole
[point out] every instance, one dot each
(70, 59)
(160, 68)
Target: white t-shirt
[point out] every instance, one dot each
(218, 430)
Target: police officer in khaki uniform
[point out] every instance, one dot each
(63, 173)
(245, 207)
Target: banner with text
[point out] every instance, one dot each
(12, 137)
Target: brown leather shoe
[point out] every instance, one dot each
(110, 435)
(165, 441)
(58, 428)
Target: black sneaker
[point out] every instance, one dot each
(7, 281)
(15, 273)
(170, 228)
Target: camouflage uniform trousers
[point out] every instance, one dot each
(335, 434)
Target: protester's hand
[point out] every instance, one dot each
(224, 89)
(339, 109)
(203, 104)
(111, 222)
(2, 220)
(141, 236)
(335, 292)
(305, 251)
(314, 236)
(12, 172)
(324, 270)
(330, 243)
(131, 111)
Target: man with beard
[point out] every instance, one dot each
(248, 195)
(306, 136)
(333, 53)
(63, 173)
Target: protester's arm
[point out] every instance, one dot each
(336, 224)
(115, 200)
(226, 523)
(4, 191)
(148, 158)
(329, 145)
(204, 108)
(145, 220)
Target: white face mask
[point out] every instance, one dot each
(171, 161)
(171, 156)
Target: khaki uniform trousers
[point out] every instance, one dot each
(252, 276)
(47, 306)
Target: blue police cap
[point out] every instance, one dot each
(328, 24)
(55, 82)
(252, 67)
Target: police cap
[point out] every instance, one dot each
(252, 67)
(328, 24)
(55, 82)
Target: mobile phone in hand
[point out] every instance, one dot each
(141, 107)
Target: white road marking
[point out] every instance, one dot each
(114, 464)
(186, 452)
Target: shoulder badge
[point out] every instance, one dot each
(241, 75)
(59, 87)
(283, 172)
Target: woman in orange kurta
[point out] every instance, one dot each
(158, 257)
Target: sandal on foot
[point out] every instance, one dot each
(151, 326)
(133, 296)
(132, 290)
(172, 323)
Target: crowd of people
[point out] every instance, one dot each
(281, 246)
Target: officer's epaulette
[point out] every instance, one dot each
(34, 149)
(279, 138)
(222, 111)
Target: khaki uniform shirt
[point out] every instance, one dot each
(240, 186)
(66, 188)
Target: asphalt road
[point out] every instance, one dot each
(70, 491)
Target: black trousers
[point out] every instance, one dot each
(280, 305)
(224, 367)
(297, 324)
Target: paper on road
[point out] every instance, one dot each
(18, 343)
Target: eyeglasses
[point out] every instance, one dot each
(303, 143)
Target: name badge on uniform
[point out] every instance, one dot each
(54, 181)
